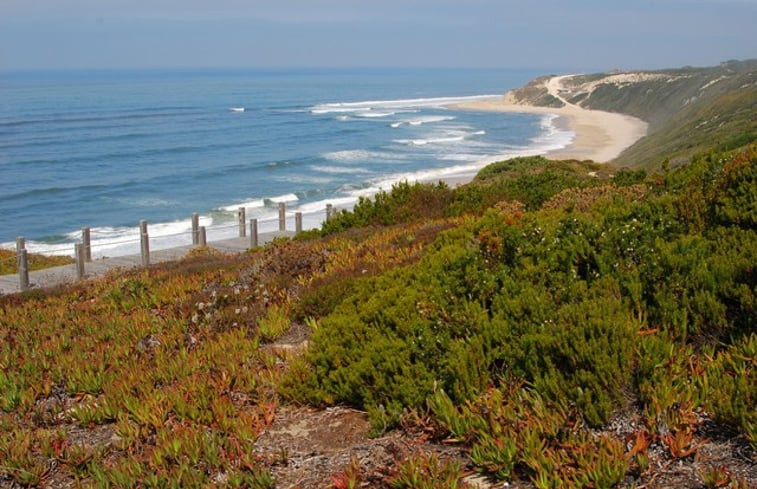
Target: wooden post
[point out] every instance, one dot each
(195, 229)
(298, 222)
(242, 221)
(79, 255)
(282, 216)
(329, 211)
(202, 240)
(144, 240)
(86, 241)
(23, 263)
(253, 233)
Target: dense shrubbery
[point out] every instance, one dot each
(590, 308)
(530, 180)
(404, 203)
(625, 177)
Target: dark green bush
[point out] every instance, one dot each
(626, 177)
(512, 167)
(405, 202)
(554, 298)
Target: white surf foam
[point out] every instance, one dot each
(320, 206)
(119, 241)
(433, 175)
(339, 169)
(418, 121)
(306, 179)
(459, 157)
(283, 198)
(371, 114)
(246, 204)
(351, 155)
(424, 142)
(437, 102)
(145, 202)
(327, 110)
(552, 138)
(442, 137)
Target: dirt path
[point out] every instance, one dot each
(554, 87)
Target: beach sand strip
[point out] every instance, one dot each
(599, 136)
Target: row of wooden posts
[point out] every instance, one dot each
(83, 250)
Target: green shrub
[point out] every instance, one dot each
(531, 180)
(583, 356)
(533, 188)
(552, 297)
(626, 177)
(405, 202)
(465, 313)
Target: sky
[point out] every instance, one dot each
(569, 35)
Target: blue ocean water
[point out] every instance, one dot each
(107, 149)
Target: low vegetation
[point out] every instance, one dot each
(9, 261)
(560, 329)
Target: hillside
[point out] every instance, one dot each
(540, 326)
(688, 109)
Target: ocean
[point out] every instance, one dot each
(108, 149)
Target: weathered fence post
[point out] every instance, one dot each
(86, 241)
(195, 228)
(242, 221)
(144, 240)
(282, 216)
(253, 233)
(298, 222)
(79, 255)
(329, 211)
(23, 263)
(203, 238)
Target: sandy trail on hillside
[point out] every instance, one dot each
(600, 136)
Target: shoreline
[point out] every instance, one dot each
(598, 135)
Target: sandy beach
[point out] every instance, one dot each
(599, 136)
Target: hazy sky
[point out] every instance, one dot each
(555, 34)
